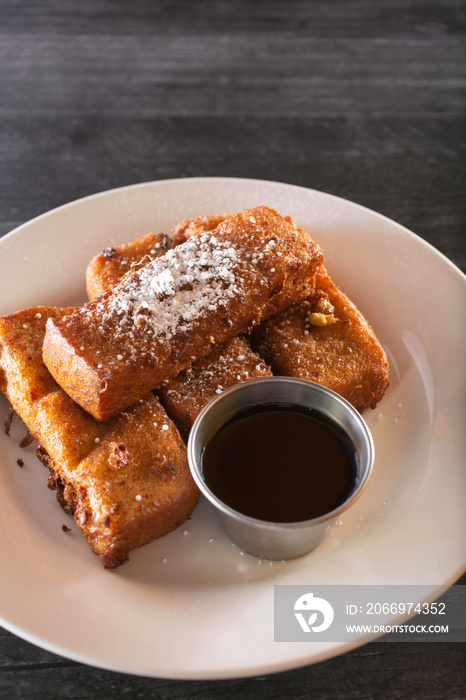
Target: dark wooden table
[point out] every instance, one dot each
(362, 99)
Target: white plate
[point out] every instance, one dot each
(190, 605)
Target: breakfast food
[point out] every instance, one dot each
(126, 481)
(327, 340)
(324, 339)
(229, 363)
(166, 315)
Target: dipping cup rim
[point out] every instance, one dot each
(196, 467)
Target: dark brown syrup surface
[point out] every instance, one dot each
(280, 463)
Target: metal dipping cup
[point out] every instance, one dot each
(277, 540)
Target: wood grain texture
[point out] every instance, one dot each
(362, 99)
(168, 75)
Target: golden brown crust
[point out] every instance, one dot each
(23, 370)
(127, 480)
(193, 227)
(110, 353)
(108, 267)
(343, 355)
(135, 486)
(185, 395)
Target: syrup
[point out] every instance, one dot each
(280, 463)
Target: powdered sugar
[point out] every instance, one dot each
(163, 284)
(176, 289)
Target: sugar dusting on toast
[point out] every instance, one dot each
(171, 291)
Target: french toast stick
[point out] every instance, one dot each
(107, 268)
(327, 340)
(126, 481)
(166, 315)
(185, 395)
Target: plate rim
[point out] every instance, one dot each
(337, 649)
